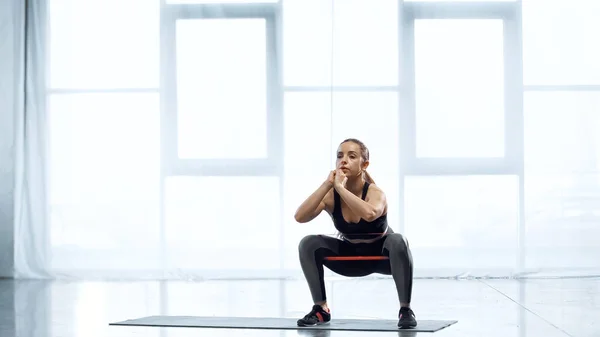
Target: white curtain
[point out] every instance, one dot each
(175, 139)
(9, 13)
(25, 123)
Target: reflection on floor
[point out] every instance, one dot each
(507, 308)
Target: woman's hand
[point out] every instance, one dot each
(340, 179)
(331, 179)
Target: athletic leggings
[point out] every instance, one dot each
(313, 249)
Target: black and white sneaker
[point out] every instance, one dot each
(316, 316)
(406, 318)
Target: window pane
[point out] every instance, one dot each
(365, 42)
(459, 88)
(307, 47)
(104, 43)
(307, 161)
(562, 167)
(561, 130)
(223, 223)
(104, 183)
(460, 222)
(334, 49)
(221, 88)
(560, 42)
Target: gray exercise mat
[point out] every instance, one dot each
(279, 323)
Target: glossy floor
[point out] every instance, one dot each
(507, 308)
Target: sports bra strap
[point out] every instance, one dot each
(365, 190)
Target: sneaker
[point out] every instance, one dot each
(406, 318)
(316, 316)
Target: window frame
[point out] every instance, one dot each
(513, 140)
(513, 161)
(173, 165)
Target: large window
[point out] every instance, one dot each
(104, 135)
(460, 159)
(562, 148)
(222, 138)
(562, 178)
(185, 133)
(104, 183)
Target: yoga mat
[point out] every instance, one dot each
(280, 323)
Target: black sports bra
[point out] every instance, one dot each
(363, 229)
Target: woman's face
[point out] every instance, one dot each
(349, 159)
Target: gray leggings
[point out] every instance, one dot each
(313, 249)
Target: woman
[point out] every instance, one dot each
(359, 212)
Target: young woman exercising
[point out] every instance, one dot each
(358, 209)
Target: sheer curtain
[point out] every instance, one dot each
(29, 130)
(9, 32)
(178, 140)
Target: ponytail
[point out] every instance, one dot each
(368, 178)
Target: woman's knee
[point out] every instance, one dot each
(309, 243)
(396, 243)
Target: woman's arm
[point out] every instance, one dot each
(314, 204)
(369, 209)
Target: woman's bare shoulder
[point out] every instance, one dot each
(375, 189)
